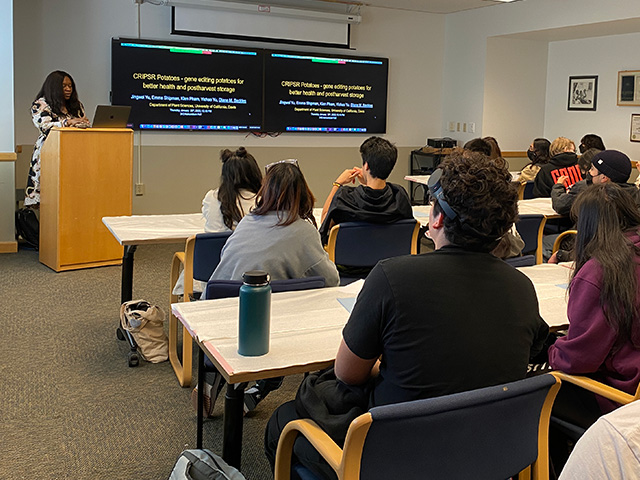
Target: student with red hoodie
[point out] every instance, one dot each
(563, 162)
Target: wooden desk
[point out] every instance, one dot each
(306, 329)
(133, 230)
(551, 282)
(538, 206)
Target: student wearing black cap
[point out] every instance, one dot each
(606, 166)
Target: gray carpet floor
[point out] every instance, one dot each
(70, 405)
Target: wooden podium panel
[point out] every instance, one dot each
(85, 175)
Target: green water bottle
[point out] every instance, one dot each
(255, 314)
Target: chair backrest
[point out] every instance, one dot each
(564, 235)
(522, 261)
(206, 253)
(362, 244)
(527, 192)
(531, 227)
(492, 432)
(231, 288)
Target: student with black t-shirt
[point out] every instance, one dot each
(423, 326)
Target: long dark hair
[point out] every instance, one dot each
(605, 215)
(239, 171)
(285, 191)
(52, 92)
(541, 149)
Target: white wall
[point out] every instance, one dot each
(514, 91)
(466, 35)
(178, 168)
(412, 41)
(603, 56)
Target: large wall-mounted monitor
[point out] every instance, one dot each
(206, 88)
(325, 93)
(187, 87)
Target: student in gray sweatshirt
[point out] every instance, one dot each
(280, 235)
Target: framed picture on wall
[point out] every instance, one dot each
(583, 93)
(635, 127)
(629, 87)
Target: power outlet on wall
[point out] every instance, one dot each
(139, 189)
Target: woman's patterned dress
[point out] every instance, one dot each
(44, 120)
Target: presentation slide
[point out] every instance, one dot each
(187, 88)
(323, 93)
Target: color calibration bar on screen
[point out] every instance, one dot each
(326, 129)
(151, 126)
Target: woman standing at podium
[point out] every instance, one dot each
(56, 105)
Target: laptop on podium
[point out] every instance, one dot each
(111, 116)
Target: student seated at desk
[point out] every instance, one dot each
(280, 237)
(538, 153)
(563, 161)
(428, 325)
(240, 181)
(603, 340)
(607, 166)
(375, 200)
(225, 206)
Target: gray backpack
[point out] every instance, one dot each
(203, 465)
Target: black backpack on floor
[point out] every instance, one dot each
(28, 227)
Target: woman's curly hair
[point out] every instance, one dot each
(480, 191)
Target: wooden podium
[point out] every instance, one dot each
(85, 175)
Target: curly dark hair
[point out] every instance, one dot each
(480, 191)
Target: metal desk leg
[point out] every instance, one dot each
(126, 294)
(233, 419)
(200, 420)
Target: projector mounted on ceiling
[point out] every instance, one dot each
(260, 9)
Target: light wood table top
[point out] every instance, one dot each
(150, 229)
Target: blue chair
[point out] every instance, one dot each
(360, 245)
(199, 259)
(531, 229)
(522, 261)
(576, 431)
(490, 433)
(231, 288)
(525, 191)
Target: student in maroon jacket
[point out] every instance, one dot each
(603, 340)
